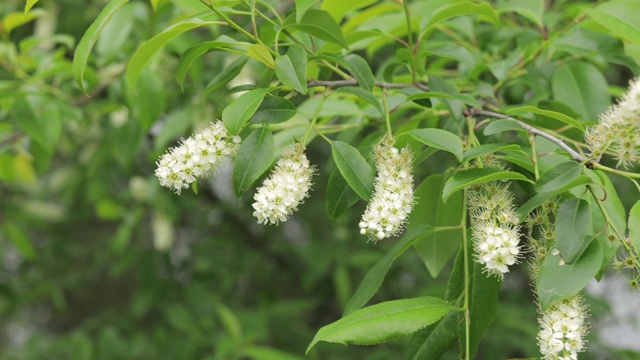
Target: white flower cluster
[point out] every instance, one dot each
(618, 130)
(562, 329)
(392, 198)
(196, 156)
(287, 186)
(495, 228)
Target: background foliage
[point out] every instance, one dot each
(99, 262)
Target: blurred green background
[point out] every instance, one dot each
(98, 262)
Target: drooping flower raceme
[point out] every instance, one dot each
(285, 189)
(618, 130)
(495, 228)
(562, 330)
(196, 156)
(392, 198)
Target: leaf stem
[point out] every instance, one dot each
(467, 280)
(407, 14)
(354, 82)
(314, 120)
(534, 156)
(387, 118)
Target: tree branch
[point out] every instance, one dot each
(354, 82)
(574, 154)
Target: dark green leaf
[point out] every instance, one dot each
(372, 281)
(464, 98)
(143, 55)
(340, 196)
(488, 149)
(81, 55)
(20, 240)
(354, 168)
(540, 198)
(236, 114)
(320, 24)
(440, 139)
(363, 94)
(473, 176)
(530, 9)
(433, 341)
(634, 225)
(193, 53)
(225, 76)
(254, 158)
(583, 88)
(274, 110)
(361, 71)
(573, 225)
(558, 282)
(436, 248)
(291, 68)
(558, 176)
(384, 321)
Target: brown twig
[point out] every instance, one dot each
(353, 82)
(574, 154)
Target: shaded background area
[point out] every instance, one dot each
(98, 262)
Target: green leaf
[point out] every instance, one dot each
(339, 8)
(384, 321)
(28, 5)
(558, 176)
(340, 196)
(497, 126)
(573, 225)
(363, 94)
(558, 282)
(255, 352)
(40, 119)
(361, 71)
(474, 152)
(529, 9)
(254, 158)
(540, 198)
(372, 281)
(436, 248)
(552, 114)
(291, 68)
(142, 56)
(225, 76)
(236, 114)
(455, 52)
(439, 139)
(190, 55)
(583, 88)
(464, 98)
(20, 240)
(354, 168)
(274, 110)
(81, 55)
(473, 176)
(620, 17)
(634, 225)
(302, 6)
(150, 100)
(462, 8)
(19, 18)
(432, 342)
(261, 53)
(320, 24)
(154, 4)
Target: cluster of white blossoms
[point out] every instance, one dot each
(562, 329)
(196, 156)
(285, 189)
(495, 228)
(392, 198)
(618, 130)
